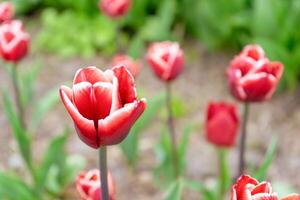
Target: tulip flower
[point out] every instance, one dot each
(14, 41)
(222, 123)
(7, 11)
(133, 66)
(166, 60)
(88, 185)
(247, 188)
(252, 77)
(115, 8)
(103, 106)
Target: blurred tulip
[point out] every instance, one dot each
(133, 66)
(222, 123)
(247, 188)
(291, 197)
(88, 185)
(252, 77)
(14, 41)
(103, 105)
(115, 8)
(166, 59)
(7, 11)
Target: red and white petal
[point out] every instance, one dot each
(265, 196)
(89, 74)
(114, 128)
(263, 187)
(291, 197)
(85, 128)
(83, 100)
(102, 99)
(126, 86)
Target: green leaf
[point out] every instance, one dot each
(22, 138)
(198, 186)
(182, 147)
(11, 188)
(27, 82)
(269, 157)
(175, 191)
(52, 155)
(43, 106)
(130, 144)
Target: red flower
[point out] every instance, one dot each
(166, 59)
(103, 105)
(252, 77)
(222, 123)
(291, 197)
(133, 66)
(247, 188)
(14, 41)
(88, 185)
(6, 11)
(114, 8)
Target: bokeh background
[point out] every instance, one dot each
(69, 34)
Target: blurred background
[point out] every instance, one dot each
(69, 34)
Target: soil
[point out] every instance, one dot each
(203, 80)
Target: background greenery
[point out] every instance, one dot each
(218, 24)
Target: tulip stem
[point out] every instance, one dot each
(223, 173)
(16, 88)
(103, 173)
(243, 139)
(172, 129)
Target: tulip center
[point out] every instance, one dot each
(8, 36)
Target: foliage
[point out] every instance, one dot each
(54, 173)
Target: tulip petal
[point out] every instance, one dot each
(85, 128)
(114, 128)
(126, 87)
(242, 183)
(82, 98)
(103, 99)
(258, 86)
(263, 187)
(291, 197)
(89, 74)
(264, 196)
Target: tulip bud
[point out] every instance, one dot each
(103, 105)
(115, 8)
(14, 41)
(222, 123)
(247, 188)
(166, 59)
(6, 11)
(133, 66)
(88, 185)
(252, 77)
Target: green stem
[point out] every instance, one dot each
(172, 130)
(17, 92)
(103, 174)
(243, 137)
(224, 175)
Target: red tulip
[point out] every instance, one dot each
(6, 11)
(103, 105)
(247, 188)
(133, 66)
(88, 185)
(222, 123)
(252, 77)
(115, 8)
(14, 41)
(166, 59)
(291, 197)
